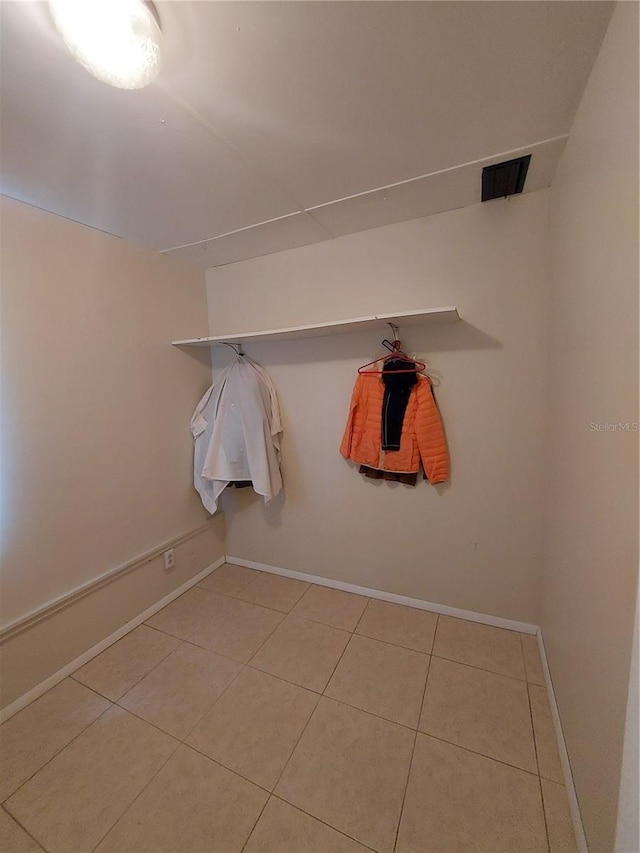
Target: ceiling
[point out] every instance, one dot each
(279, 124)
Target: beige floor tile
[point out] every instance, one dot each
(224, 625)
(255, 726)
(458, 801)
(532, 662)
(303, 652)
(124, 663)
(479, 645)
(559, 827)
(178, 692)
(190, 616)
(283, 829)
(479, 710)
(193, 805)
(350, 770)
(383, 679)
(34, 735)
(71, 803)
(13, 839)
(228, 579)
(274, 591)
(331, 607)
(546, 744)
(395, 623)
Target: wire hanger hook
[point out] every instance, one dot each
(395, 330)
(237, 348)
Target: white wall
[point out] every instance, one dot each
(591, 565)
(476, 542)
(96, 450)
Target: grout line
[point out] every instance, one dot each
(286, 616)
(535, 748)
(324, 695)
(481, 754)
(361, 617)
(330, 625)
(255, 823)
(73, 666)
(23, 828)
(93, 689)
(267, 606)
(181, 739)
(238, 597)
(480, 668)
(266, 639)
(243, 665)
(337, 664)
(74, 675)
(144, 787)
(282, 678)
(56, 754)
(214, 703)
(86, 686)
(391, 597)
(413, 750)
(290, 612)
(226, 767)
(292, 753)
(311, 716)
(323, 822)
(544, 815)
(313, 713)
(57, 605)
(201, 585)
(433, 639)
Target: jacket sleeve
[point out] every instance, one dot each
(430, 436)
(347, 438)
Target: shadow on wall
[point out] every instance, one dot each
(351, 350)
(448, 337)
(201, 354)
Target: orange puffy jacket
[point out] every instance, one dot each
(422, 436)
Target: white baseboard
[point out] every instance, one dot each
(70, 598)
(470, 615)
(71, 667)
(574, 807)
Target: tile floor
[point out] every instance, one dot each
(262, 714)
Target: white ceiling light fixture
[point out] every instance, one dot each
(118, 41)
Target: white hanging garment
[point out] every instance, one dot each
(237, 431)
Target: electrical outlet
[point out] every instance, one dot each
(169, 559)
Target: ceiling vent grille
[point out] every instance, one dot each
(503, 179)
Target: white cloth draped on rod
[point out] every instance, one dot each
(237, 431)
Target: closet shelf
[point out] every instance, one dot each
(339, 327)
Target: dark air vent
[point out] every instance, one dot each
(503, 179)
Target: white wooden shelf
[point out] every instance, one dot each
(339, 327)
